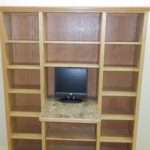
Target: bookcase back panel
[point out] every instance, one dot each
(121, 55)
(25, 102)
(124, 27)
(72, 26)
(116, 128)
(92, 82)
(68, 145)
(22, 26)
(26, 125)
(25, 78)
(23, 53)
(72, 131)
(22, 144)
(118, 105)
(115, 146)
(72, 53)
(122, 81)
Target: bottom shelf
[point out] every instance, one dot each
(65, 145)
(115, 146)
(21, 144)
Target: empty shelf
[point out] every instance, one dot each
(26, 136)
(71, 65)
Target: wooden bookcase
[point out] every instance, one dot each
(109, 42)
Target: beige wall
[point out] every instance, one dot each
(144, 120)
(143, 141)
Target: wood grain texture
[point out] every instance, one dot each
(119, 81)
(22, 26)
(118, 105)
(23, 54)
(24, 144)
(25, 78)
(116, 128)
(26, 125)
(68, 145)
(121, 55)
(72, 26)
(122, 27)
(25, 102)
(72, 53)
(115, 146)
(71, 132)
(74, 9)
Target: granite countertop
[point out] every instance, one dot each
(56, 111)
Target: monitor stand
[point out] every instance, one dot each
(70, 99)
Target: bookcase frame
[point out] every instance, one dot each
(110, 54)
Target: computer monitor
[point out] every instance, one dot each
(71, 83)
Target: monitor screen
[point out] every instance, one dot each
(71, 81)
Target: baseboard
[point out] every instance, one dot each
(3, 147)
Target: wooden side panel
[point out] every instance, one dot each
(122, 27)
(22, 26)
(72, 53)
(72, 26)
(92, 82)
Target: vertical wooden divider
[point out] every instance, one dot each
(42, 74)
(3, 37)
(100, 80)
(139, 84)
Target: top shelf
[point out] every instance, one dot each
(74, 28)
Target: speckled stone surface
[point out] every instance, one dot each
(56, 111)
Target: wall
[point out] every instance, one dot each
(3, 139)
(144, 119)
(90, 3)
(143, 141)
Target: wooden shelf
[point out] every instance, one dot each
(123, 43)
(23, 67)
(112, 139)
(70, 145)
(25, 91)
(109, 42)
(26, 136)
(132, 69)
(116, 117)
(119, 93)
(22, 42)
(71, 65)
(72, 133)
(24, 114)
(72, 42)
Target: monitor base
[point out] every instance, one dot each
(70, 99)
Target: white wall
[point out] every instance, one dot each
(121, 3)
(143, 142)
(3, 139)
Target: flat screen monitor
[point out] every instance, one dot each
(71, 83)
